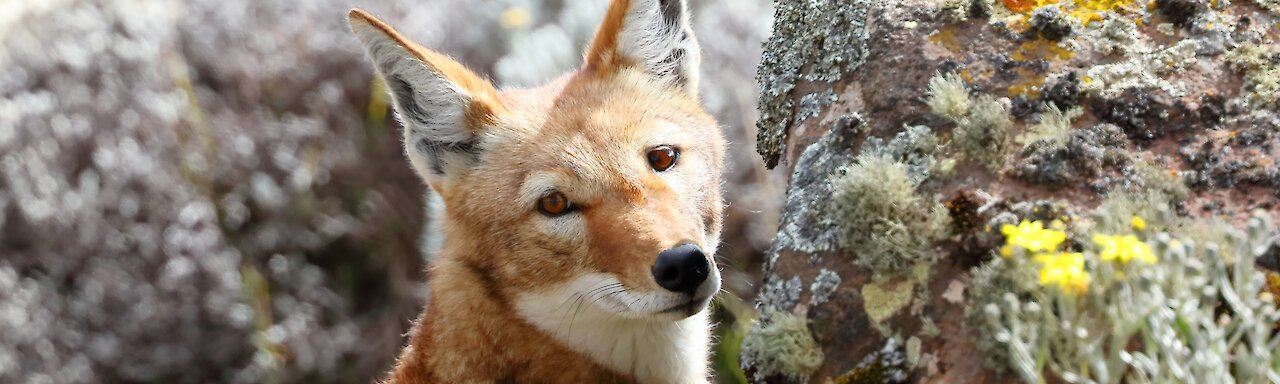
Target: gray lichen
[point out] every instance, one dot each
(823, 286)
(814, 41)
(801, 227)
(1144, 70)
(779, 294)
(1051, 23)
(1085, 153)
(915, 147)
(1116, 35)
(888, 365)
(1260, 65)
(811, 105)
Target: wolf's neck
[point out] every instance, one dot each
(470, 333)
(649, 351)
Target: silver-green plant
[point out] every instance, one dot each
(1138, 322)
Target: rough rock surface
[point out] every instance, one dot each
(1174, 96)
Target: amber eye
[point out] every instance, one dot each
(663, 157)
(554, 204)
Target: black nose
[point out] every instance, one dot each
(681, 269)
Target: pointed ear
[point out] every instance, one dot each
(443, 106)
(653, 35)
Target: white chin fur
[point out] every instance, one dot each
(627, 332)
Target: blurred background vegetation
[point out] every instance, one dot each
(214, 191)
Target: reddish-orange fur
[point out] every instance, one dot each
(587, 130)
(602, 56)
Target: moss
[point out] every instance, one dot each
(781, 344)
(983, 135)
(887, 225)
(1054, 126)
(948, 97)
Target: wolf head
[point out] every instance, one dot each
(600, 189)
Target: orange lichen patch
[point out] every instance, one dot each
(1030, 90)
(1086, 11)
(946, 36)
(1041, 49)
(1029, 84)
(1019, 6)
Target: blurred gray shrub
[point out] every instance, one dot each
(210, 191)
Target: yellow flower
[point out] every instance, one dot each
(1123, 248)
(1031, 236)
(1138, 223)
(1066, 270)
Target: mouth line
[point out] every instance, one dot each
(688, 306)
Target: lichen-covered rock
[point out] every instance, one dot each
(1084, 117)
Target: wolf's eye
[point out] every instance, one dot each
(555, 204)
(663, 157)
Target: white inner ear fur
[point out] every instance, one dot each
(430, 107)
(664, 45)
(651, 351)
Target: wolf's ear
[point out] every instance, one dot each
(443, 106)
(653, 35)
